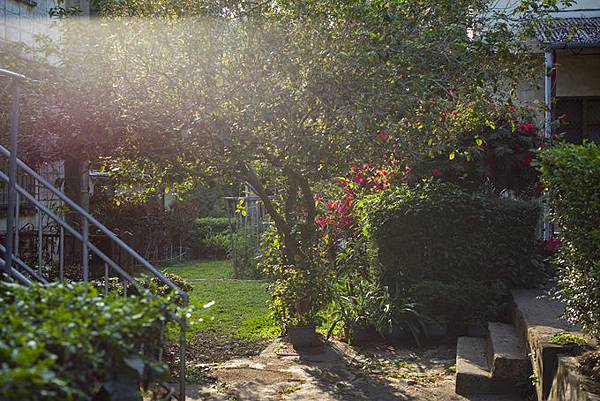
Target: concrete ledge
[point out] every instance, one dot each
(536, 319)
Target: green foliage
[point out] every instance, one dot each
(359, 303)
(566, 338)
(65, 342)
(499, 159)
(572, 175)
(152, 283)
(298, 295)
(458, 303)
(207, 226)
(211, 237)
(438, 237)
(244, 254)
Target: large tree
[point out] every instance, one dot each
(282, 95)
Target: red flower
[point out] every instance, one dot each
(527, 159)
(436, 172)
(488, 174)
(383, 136)
(525, 128)
(552, 244)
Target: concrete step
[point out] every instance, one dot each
(473, 375)
(506, 353)
(472, 370)
(536, 319)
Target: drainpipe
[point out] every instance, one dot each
(548, 89)
(548, 81)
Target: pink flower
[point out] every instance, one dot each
(488, 174)
(436, 172)
(383, 136)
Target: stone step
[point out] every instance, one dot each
(506, 353)
(472, 370)
(536, 319)
(473, 375)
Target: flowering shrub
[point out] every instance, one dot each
(336, 218)
(499, 159)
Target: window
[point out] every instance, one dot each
(580, 118)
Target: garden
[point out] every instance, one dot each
(341, 189)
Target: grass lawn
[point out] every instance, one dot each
(203, 269)
(237, 324)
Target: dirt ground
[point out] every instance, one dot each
(337, 372)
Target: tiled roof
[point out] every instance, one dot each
(569, 32)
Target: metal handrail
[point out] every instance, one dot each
(25, 266)
(107, 260)
(17, 274)
(14, 189)
(96, 223)
(12, 74)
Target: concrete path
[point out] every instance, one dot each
(337, 372)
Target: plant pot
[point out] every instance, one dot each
(303, 337)
(363, 335)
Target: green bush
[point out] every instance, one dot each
(65, 342)
(467, 242)
(207, 226)
(572, 175)
(245, 263)
(211, 237)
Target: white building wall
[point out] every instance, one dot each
(22, 20)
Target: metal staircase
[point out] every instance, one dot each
(17, 269)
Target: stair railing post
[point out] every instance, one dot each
(12, 178)
(40, 240)
(182, 345)
(61, 254)
(85, 249)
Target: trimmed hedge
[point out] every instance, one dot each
(572, 175)
(211, 238)
(454, 243)
(66, 342)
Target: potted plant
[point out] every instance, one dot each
(298, 296)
